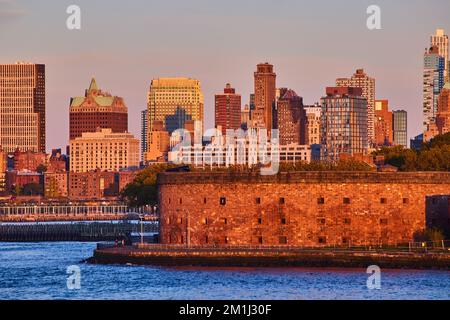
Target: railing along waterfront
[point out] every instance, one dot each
(441, 246)
(64, 209)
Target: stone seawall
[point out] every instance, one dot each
(296, 208)
(270, 258)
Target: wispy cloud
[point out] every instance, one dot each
(10, 10)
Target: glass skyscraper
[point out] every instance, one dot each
(400, 127)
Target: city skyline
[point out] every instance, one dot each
(107, 50)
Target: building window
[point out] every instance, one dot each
(226, 240)
(205, 220)
(206, 239)
(204, 200)
(322, 240)
(260, 240)
(180, 221)
(384, 221)
(405, 200)
(383, 200)
(181, 201)
(321, 221)
(345, 241)
(346, 200)
(283, 240)
(281, 200)
(223, 201)
(224, 220)
(258, 200)
(283, 220)
(320, 200)
(347, 221)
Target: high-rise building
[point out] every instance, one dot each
(144, 133)
(400, 128)
(433, 82)
(383, 124)
(104, 150)
(313, 114)
(443, 112)
(245, 117)
(3, 169)
(252, 101)
(343, 123)
(361, 80)
(440, 40)
(174, 101)
(22, 107)
(228, 109)
(97, 109)
(159, 143)
(291, 119)
(265, 90)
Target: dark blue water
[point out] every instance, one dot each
(38, 271)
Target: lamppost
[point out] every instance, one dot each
(141, 218)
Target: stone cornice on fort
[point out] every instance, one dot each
(323, 177)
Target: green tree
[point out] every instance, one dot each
(434, 156)
(41, 168)
(32, 189)
(143, 190)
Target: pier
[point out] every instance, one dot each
(76, 231)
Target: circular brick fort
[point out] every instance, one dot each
(311, 209)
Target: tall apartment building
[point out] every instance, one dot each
(383, 124)
(245, 117)
(144, 133)
(97, 109)
(313, 114)
(3, 169)
(443, 112)
(159, 143)
(264, 98)
(104, 150)
(343, 123)
(252, 101)
(400, 128)
(440, 40)
(433, 82)
(228, 109)
(174, 101)
(22, 107)
(361, 80)
(291, 119)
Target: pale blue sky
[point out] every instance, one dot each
(125, 44)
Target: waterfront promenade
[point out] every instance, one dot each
(272, 256)
(35, 213)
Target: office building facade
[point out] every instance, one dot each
(400, 128)
(22, 107)
(97, 109)
(361, 80)
(343, 123)
(227, 109)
